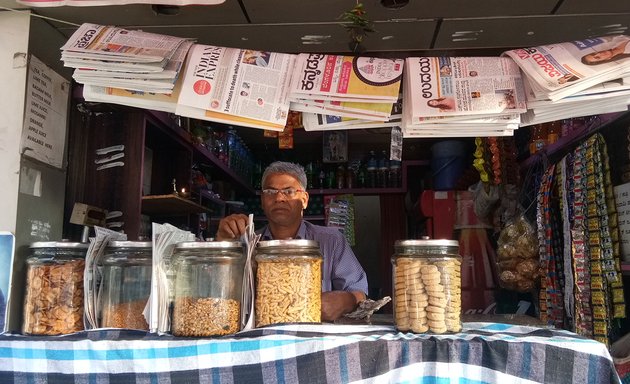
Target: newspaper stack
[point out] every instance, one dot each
(576, 78)
(92, 276)
(362, 88)
(320, 122)
(461, 97)
(106, 56)
(164, 238)
(236, 86)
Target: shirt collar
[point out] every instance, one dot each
(301, 233)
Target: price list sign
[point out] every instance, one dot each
(45, 114)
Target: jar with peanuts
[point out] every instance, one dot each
(427, 286)
(208, 284)
(125, 285)
(288, 282)
(53, 301)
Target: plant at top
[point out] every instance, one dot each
(357, 25)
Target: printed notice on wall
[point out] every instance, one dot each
(622, 199)
(45, 114)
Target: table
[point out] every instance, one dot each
(310, 353)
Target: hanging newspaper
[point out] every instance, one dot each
(236, 86)
(346, 78)
(559, 70)
(323, 122)
(93, 41)
(456, 86)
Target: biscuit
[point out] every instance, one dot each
(427, 280)
(435, 316)
(417, 305)
(437, 294)
(434, 288)
(435, 309)
(421, 314)
(436, 329)
(418, 296)
(429, 269)
(420, 328)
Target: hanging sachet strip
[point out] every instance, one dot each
(598, 239)
(612, 255)
(565, 184)
(581, 269)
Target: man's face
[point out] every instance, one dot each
(280, 208)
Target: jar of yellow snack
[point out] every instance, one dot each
(53, 301)
(288, 282)
(427, 286)
(126, 284)
(208, 282)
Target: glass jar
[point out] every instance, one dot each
(126, 284)
(208, 283)
(288, 282)
(427, 286)
(53, 301)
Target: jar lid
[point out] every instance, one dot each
(426, 243)
(208, 245)
(129, 244)
(59, 244)
(289, 243)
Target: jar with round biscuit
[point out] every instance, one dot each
(208, 284)
(427, 286)
(288, 282)
(53, 300)
(126, 284)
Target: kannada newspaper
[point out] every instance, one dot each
(455, 86)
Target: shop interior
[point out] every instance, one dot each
(191, 173)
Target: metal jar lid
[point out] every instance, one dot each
(290, 243)
(209, 245)
(59, 245)
(129, 244)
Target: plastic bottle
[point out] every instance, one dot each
(539, 138)
(383, 169)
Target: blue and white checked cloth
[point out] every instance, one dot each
(481, 353)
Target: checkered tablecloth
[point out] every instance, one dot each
(481, 353)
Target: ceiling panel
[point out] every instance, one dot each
(141, 14)
(526, 31)
(590, 6)
(313, 37)
(285, 11)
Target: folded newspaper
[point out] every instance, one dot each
(236, 86)
(461, 96)
(555, 71)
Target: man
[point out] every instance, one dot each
(283, 199)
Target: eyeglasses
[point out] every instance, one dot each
(288, 192)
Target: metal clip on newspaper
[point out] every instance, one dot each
(250, 238)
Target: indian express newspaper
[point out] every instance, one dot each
(555, 71)
(93, 41)
(459, 86)
(237, 86)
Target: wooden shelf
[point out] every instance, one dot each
(170, 205)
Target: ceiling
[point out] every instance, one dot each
(421, 27)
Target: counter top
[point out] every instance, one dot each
(311, 353)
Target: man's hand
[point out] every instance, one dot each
(232, 227)
(337, 303)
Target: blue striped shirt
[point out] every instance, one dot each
(341, 271)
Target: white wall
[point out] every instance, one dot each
(14, 33)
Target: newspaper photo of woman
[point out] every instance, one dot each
(443, 103)
(615, 48)
(567, 78)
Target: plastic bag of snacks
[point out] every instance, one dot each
(517, 256)
(620, 351)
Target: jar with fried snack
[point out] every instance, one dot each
(126, 284)
(288, 282)
(427, 286)
(53, 301)
(208, 281)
